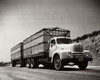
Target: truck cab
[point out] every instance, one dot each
(63, 51)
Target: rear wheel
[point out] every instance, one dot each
(29, 63)
(13, 63)
(58, 65)
(20, 62)
(23, 63)
(34, 63)
(83, 65)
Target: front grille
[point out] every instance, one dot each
(78, 48)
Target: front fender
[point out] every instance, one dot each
(58, 52)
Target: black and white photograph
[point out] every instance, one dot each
(49, 39)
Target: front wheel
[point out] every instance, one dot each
(58, 65)
(83, 65)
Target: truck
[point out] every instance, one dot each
(51, 47)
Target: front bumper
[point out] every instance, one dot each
(76, 60)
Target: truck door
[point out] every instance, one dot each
(52, 47)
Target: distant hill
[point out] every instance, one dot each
(92, 42)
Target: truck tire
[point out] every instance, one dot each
(13, 63)
(29, 63)
(58, 65)
(83, 65)
(34, 63)
(22, 63)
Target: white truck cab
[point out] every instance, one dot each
(63, 51)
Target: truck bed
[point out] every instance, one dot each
(38, 42)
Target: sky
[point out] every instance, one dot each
(21, 18)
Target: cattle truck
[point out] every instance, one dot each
(51, 47)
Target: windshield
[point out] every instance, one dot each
(63, 41)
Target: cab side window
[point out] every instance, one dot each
(52, 42)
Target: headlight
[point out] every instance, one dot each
(67, 55)
(88, 55)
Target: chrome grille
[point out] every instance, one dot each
(78, 48)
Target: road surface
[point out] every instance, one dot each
(69, 73)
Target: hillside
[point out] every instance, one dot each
(92, 42)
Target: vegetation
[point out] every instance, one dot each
(95, 33)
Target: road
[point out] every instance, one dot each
(69, 73)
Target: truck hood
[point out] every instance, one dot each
(74, 47)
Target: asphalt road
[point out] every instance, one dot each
(69, 73)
